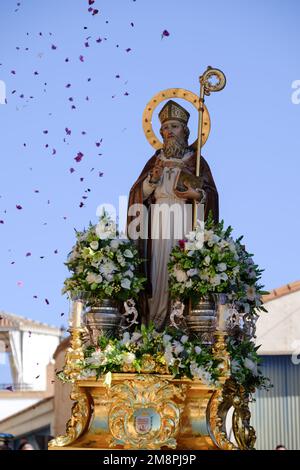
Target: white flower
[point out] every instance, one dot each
(184, 339)
(223, 276)
(206, 260)
(97, 358)
(210, 237)
(221, 267)
(199, 244)
(126, 283)
(166, 339)
(114, 244)
(94, 245)
(204, 276)
(168, 355)
(249, 364)
(92, 278)
(136, 336)
(86, 373)
(235, 366)
(216, 280)
(109, 348)
(128, 273)
(121, 260)
(223, 244)
(198, 349)
(105, 230)
(180, 275)
(189, 246)
(192, 272)
(178, 348)
(128, 253)
(126, 338)
(128, 357)
(107, 267)
(236, 270)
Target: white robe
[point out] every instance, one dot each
(165, 235)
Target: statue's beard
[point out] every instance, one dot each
(174, 147)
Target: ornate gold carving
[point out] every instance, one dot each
(244, 433)
(220, 352)
(145, 413)
(74, 355)
(167, 94)
(77, 424)
(82, 409)
(231, 395)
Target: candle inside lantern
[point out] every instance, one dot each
(223, 314)
(77, 308)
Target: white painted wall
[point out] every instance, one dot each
(12, 406)
(278, 331)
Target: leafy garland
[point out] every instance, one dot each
(169, 352)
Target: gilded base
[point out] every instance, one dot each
(140, 411)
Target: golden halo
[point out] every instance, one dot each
(167, 94)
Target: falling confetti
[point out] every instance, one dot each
(165, 33)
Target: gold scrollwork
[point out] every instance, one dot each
(145, 413)
(77, 424)
(231, 395)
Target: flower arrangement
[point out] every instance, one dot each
(245, 365)
(104, 265)
(146, 350)
(210, 261)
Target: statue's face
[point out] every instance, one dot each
(171, 129)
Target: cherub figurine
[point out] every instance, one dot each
(176, 315)
(130, 310)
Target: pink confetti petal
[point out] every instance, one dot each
(81, 58)
(19, 207)
(128, 49)
(79, 157)
(165, 33)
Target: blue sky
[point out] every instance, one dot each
(253, 148)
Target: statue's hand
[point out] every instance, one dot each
(190, 193)
(156, 172)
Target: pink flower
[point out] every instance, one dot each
(181, 244)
